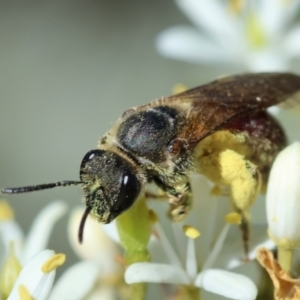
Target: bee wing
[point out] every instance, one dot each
(210, 106)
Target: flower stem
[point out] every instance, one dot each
(285, 256)
(138, 291)
(134, 227)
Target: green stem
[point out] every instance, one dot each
(285, 256)
(138, 291)
(134, 227)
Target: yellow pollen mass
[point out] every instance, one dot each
(53, 262)
(153, 216)
(24, 294)
(191, 231)
(6, 212)
(233, 218)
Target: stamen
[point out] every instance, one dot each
(191, 260)
(10, 272)
(236, 6)
(6, 212)
(179, 88)
(217, 248)
(53, 262)
(233, 218)
(24, 294)
(170, 253)
(191, 231)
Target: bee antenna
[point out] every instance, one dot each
(32, 188)
(82, 223)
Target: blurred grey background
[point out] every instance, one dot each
(67, 71)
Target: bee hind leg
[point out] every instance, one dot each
(245, 181)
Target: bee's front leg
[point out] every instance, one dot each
(180, 198)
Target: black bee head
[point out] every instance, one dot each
(109, 184)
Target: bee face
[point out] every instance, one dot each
(109, 184)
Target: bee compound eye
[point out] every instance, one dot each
(129, 191)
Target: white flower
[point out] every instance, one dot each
(181, 263)
(36, 278)
(38, 235)
(261, 35)
(283, 197)
(100, 247)
(221, 282)
(31, 271)
(97, 246)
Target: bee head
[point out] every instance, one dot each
(109, 184)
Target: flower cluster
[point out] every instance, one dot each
(247, 35)
(28, 268)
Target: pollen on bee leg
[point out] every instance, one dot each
(242, 176)
(53, 262)
(6, 212)
(244, 180)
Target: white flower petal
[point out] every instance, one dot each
(211, 16)
(227, 284)
(76, 282)
(272, 16)
(11, 231)
(37, 282)
(41, 228)
(292, 42)
(274, 110)
(267, 60)
(157, 273)
(111, 231)
(185, 43)
(96, 245)
(283, 195)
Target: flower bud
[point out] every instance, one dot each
(283, 198)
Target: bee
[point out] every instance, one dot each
(221, 130)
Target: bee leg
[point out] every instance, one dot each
(180, 207)
(245, 182)
(180, 199)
